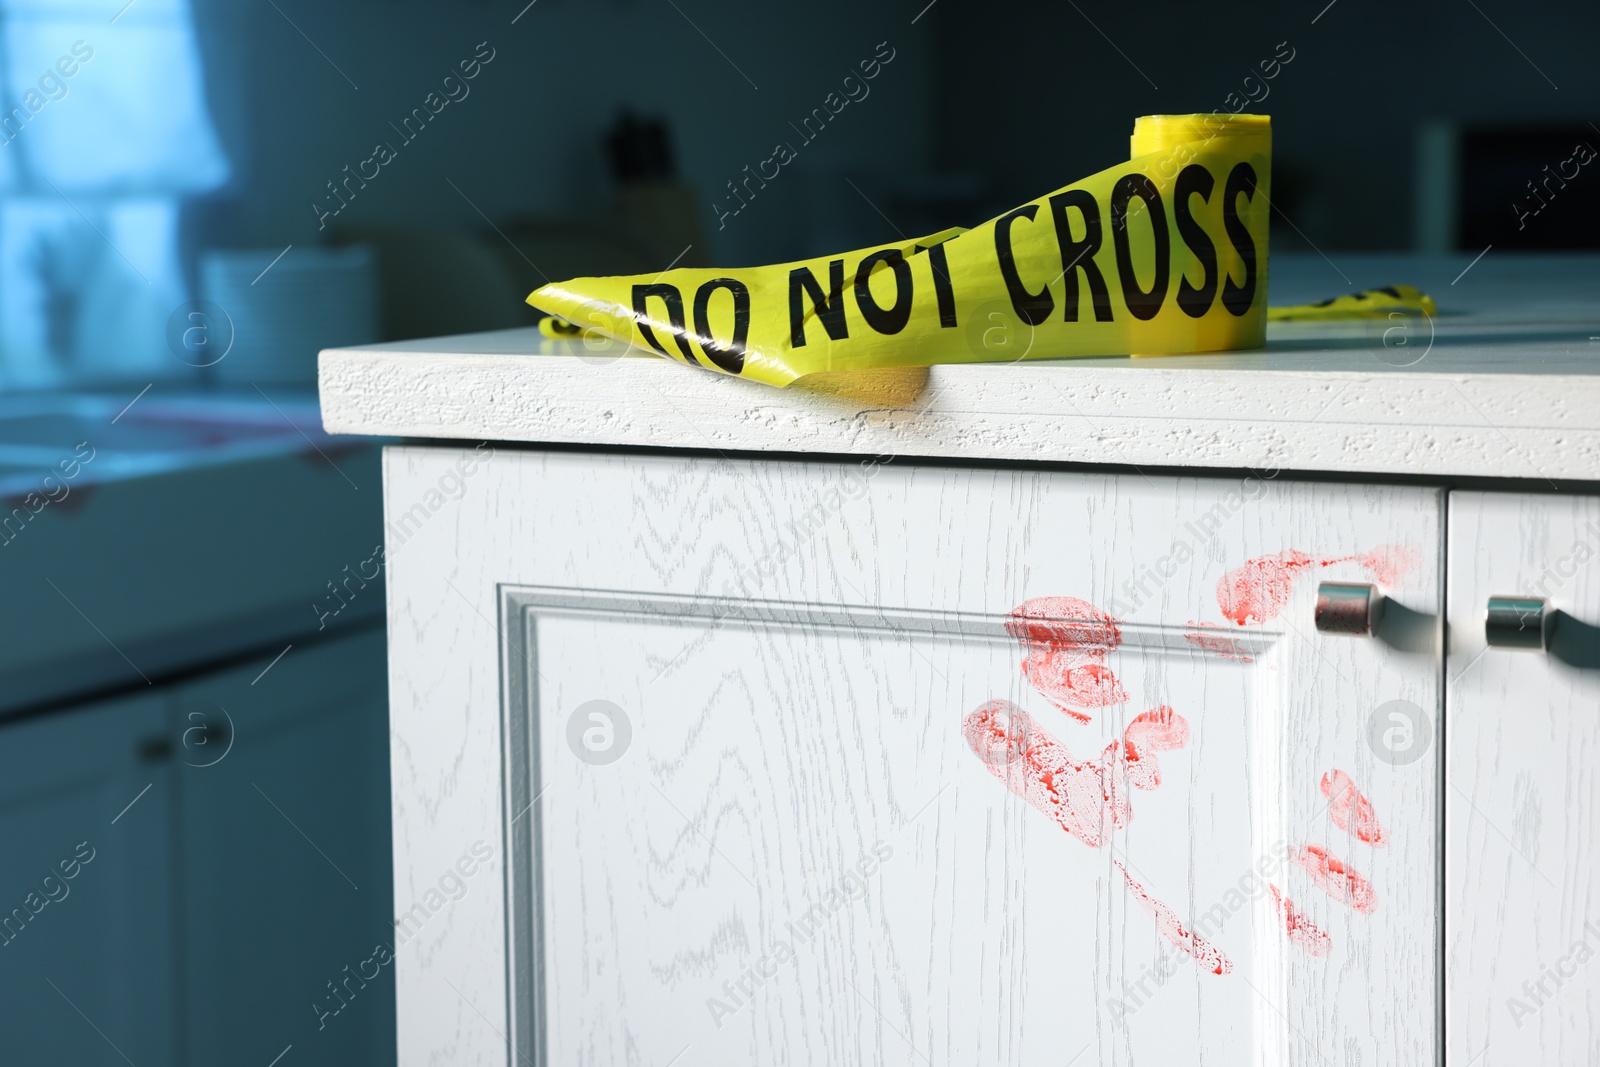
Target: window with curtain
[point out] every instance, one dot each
(104, 131)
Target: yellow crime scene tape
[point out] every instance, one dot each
(1368, 304)
(1166, 253)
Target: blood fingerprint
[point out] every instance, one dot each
(1065, 622)
(1337, 879)
(1258, 589)
(1171, 927)
(1350, 810)
(1161, 730)
(1087, 798)
(1079, 796)
(1300, 930)
(1066, 641)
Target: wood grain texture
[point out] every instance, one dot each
(1522, 916)
(772, 752)
(1505, 383)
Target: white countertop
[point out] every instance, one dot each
(1508, 385)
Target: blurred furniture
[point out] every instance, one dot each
(721, 710)
(666, 216)
(652, 200)
(436, 281)
(187, 697)
(246, 868)
(1517, 188)
(197, 527)
(285, 305)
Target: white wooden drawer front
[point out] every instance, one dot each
(1522, 919)
(735, 734)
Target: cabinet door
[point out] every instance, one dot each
(88, 973)
(811, 762)
(1522, 802)
(286, 847)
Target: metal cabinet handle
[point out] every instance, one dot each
(1518, 622)
(1348, 608)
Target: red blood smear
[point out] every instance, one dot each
(1301, 930)
(1067, 641)
(1339, 881)
(1388, 563)
(1258, 589)
(1350, 810)
(1071, 684)
(1216, 644)
(1161, 730)
(1206, 954)
(1087, 798)
(1064, 621)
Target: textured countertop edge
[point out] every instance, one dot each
(1497, 425)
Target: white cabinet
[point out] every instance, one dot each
(227, 840)
(234, 576)
(1522, 876)
(87, 887)
(286, 859)
(736, 736)
(796, 645)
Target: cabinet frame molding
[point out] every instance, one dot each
(522, 605)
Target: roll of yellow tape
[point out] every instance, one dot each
(1166, 253)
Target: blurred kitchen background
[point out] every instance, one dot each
(196, 196)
